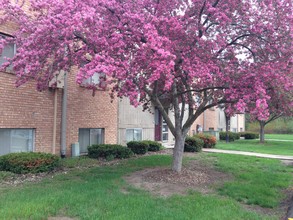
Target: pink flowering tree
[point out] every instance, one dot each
(180, 54)
(280, 104)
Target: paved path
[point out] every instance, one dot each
(281, 157)
(278, 140)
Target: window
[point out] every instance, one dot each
(94, 79)
(8, 51)
(211, 129)
(164, 131)
(89, 136)
(134, 134)
(16, 140)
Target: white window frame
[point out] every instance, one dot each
(93, 80)
(89, 137)
(30, 148)
(2, 35)
(128, 129)
(164, 123)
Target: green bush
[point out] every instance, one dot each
(138, 147)
(208, 140)
(153, 145)
(250, 135)
(242, 133)
(232, 136)
(193, 144)
(28, 162)
(109, 151)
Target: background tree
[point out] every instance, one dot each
(280, 104)
(192, 54)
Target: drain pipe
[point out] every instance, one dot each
(63, 118)
(55, 121)
(204, 121)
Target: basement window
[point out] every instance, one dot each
(16, 140)
(90, 136)
(133, 134)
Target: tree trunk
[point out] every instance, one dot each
(262, 132)
(178, 153)
(227, 127)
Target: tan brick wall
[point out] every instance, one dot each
(210, 119)
(24, 107)
(88, 111)
(198, 121)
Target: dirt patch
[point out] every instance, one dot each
(165, 182)
(287, 162)
(19, 179)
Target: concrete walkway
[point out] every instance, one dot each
(281, 157)
(278, 140)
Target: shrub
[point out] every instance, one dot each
(138, 147)
(242, 133)
(232, 136)
(193, 144)
(250, 135)
(209, 140)
(237, 136)
(153, 145)
(109, 151)
(28, 162)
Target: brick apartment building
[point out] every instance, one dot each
(31, 120)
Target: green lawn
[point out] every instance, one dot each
(279, 136)
(95, 193)
(270, 147)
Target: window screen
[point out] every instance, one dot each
(7, 52)
(16, 140)
(90, 136)
(134, 134)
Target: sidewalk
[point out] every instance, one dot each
(281, 157)
(278, 140)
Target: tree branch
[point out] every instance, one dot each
(157, 103)
(202, 90)
(274, 117)
(233, 41)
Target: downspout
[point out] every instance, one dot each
(63, 118)
(55, 121)
(118, 123)
(204, 121)
(237, 123)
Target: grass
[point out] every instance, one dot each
(257, 180)
(82, 161)
(95, 193)
(279, 136)
(269, 147)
